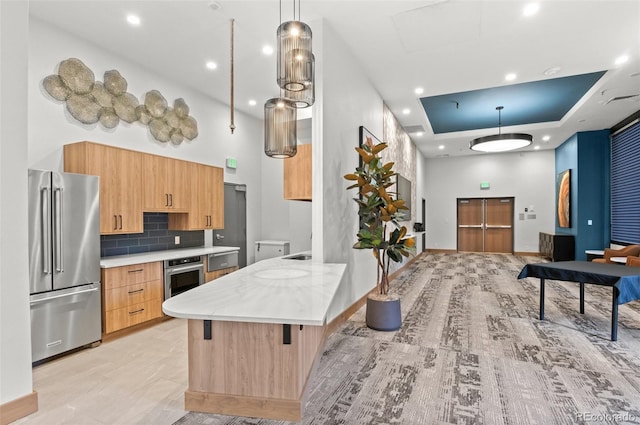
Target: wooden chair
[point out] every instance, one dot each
(633, 261)
(630, 250)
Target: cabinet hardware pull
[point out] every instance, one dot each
(137, 290)
(166, 200)
(171, 199)
(115, 222)
(120, 221)
(135, 271)
(136, 311)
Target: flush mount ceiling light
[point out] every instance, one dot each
(500, 142)
(294, 53)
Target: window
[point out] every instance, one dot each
(625, 186)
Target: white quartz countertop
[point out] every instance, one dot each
(170, 254)
(277, 290)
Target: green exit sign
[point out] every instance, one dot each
(484, 185)
(232, 163)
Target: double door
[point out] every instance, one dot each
(485, 225)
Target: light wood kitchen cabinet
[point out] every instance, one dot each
(206, 206)
(166, 184)
(209, 276)
(120, 172)
(297, 175)
(131, 295)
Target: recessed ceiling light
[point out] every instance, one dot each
(531, 9)
(267, 50)
(133, 20)
(418, 90)
(510, 76)
(622, 59)
(211, 65)
(419, 134)
(441, 147)
(252, 102)
(406, 111)
(551, 71)
(546, 138)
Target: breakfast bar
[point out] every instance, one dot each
(254, 335)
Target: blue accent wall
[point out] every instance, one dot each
(156, 237)
(587, 154)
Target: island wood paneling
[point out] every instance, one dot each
(246, 370)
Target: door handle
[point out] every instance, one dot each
(59, 230)
(166, 200)
(46, 231)
(120, 221)
(115, 222)
(63, 296)
(171, 199)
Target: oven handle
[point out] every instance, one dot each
(182, 269)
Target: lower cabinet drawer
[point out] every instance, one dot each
(132, 315)
(132, 294)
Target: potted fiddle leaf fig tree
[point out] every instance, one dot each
(380, 231)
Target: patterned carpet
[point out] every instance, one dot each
(471, 350)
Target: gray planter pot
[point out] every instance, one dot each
(383, 314)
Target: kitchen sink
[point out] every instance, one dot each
(298, 257)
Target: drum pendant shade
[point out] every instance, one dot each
(295, 56)
(280, 128)
(307, 96)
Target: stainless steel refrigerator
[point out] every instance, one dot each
(64, 262)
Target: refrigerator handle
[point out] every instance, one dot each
(46, 231)
(58, 230)
(63, 296)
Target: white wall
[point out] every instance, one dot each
(421, 192)
(283, 219)
(527, 176)
(15, 340)
(51, 126)
(349, 101)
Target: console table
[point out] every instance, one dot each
(557, 247)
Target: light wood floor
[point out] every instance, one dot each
(136, 379)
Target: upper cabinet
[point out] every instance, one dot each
(166, 184)
(132, 182)
(206, 207)
(120, 172)
(297, 175)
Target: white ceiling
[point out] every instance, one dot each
(444, 46)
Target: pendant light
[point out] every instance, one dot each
(294, 53)
(307, 96)
(500, 142)
(280, 128)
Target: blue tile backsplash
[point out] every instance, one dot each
(156, 237)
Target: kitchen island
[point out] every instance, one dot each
(254, 336)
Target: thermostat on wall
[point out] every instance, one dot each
(232, 163)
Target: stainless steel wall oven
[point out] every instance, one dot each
(182, 274)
